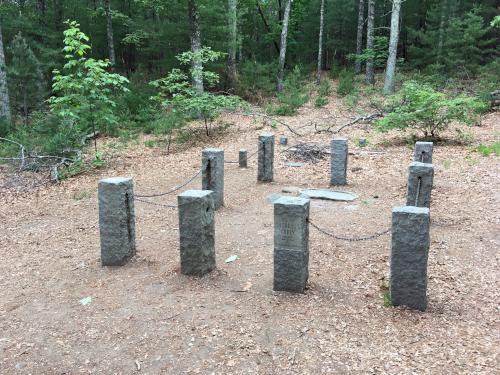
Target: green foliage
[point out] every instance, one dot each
(346, 85)
(387, 299)
(320, 101)
(293, 96)
(378, 53)
(335, 70)
(25, 78)
(487, 150)
(419, 107)
(257, 79)
(84, 88)
(177, 94)
(324, 90)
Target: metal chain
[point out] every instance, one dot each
(156, 204)
(352, 239)
(237, 162)
(171, 190)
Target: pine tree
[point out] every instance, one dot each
(25, 77)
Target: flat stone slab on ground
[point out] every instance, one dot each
(294, 164)
(271, 198)
(297, 190)
(328, 195)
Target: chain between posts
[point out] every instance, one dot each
(349, 239)
(169, 191)
(237, 162)
(156, 204)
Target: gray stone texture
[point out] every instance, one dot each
(339, 153)
(328, 195)
(291, 244)
(243, 158)
(423, 152)
(283, 140)
(420, 180)
(197, 232)
(212, 166)
(409, 254)
(265, 172)
(116, 220)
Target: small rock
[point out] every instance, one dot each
(293, 164)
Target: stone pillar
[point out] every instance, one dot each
(116, 220)
(197, 232)
(409, 254)
(283, 140)
(291, 244)
(339, 162)
(212, 166)
(423, 152)
(243, 158)
(420, 178)
(266, 158)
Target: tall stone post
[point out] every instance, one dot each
(197, 232)
(212, 166)
(338, 162)
(265, 171)
(116, 220)
(423, 152)
(409, 254)
(243, 158)
(420, 179)
(291, 244)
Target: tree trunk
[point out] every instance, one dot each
(441, 30)
(284, 34)
(266, 24)
(390, 70)
(40, 7)
(197, 65)
(359, 37)
(4, 90)
(320, 42)
(370, 72)
(233, 42)
(109, 30)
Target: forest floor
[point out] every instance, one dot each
(146, 317)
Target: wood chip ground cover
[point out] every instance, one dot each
(146, 317)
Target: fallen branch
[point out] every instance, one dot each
(361, 119)
(21, 147)
(257, 114)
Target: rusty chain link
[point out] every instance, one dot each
(349, 239)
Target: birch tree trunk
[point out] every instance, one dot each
(109, 30)
(233, 42)
(197, 65)
(320, 42)
(359, 36)
(284, 34)
(390, 70)
(4, 91)
(370, 72)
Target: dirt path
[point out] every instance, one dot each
(147, 317)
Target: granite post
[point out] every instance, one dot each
(291, 244)
(423, 152)
(243, 158)
(116, 220)
(197, 232)
(338, 162)
(420, 179)
(266, 157)
(283, 140)
(409, 255)
(212, 166)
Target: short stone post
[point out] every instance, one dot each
(243, 158)
(283, 140)
(197, 232)
(423, 152)
(420, 179)
(338, 162)
(212, 166)
(409, 254)
(265, 170)
(291, 244)
(116, 220)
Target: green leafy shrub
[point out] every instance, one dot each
(175, 92)
(419, 107)
(335, 70)
(346, 85)
(487, 150)
(325, 88)
(293, 96)
(378, 53)
(257, 80)
(320, 101)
